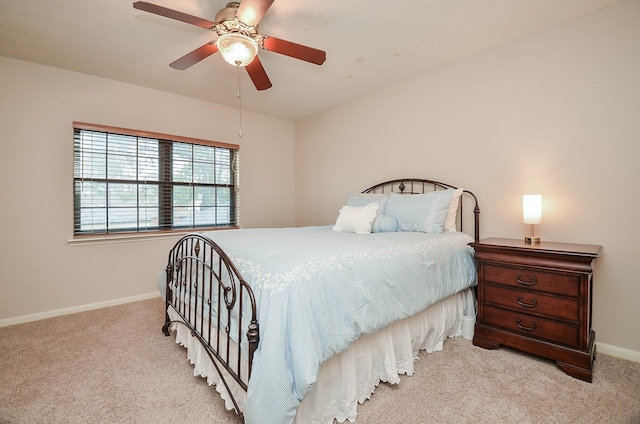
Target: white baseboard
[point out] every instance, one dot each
(58, 312)
(618, 352)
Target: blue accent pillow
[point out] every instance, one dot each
(420, 212)
(384, 224)
(363, 199)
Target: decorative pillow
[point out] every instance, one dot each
(363, 199)
(450, 219)
(356, 219)
(384, 224)
(420, 212)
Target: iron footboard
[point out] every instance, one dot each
(216, 304)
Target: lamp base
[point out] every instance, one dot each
(532, 240)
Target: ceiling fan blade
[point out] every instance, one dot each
(173, 14)
(258, 75)
(195, 56)
(294, 50)
(251, 12)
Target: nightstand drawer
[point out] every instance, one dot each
(532, 326)
(531, 279)
(531, 302)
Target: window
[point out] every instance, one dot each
(134, 181)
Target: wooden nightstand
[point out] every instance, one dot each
(537, 298)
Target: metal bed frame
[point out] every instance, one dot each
(202, 281)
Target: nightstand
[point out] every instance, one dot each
(537, 298)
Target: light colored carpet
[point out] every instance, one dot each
(114, 365)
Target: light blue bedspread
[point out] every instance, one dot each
(318, 290)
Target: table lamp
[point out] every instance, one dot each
(532, 214)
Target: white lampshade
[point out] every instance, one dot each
(532, 208)
(237, 49)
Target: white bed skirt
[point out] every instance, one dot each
(351, 377)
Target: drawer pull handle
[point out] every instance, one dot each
(533, 281)
(533, 304)
(533, 325)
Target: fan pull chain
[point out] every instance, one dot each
(239, 100)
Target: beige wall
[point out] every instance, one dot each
(41, 273)
(555, 113)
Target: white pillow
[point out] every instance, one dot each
(450, 219)
(356, 219)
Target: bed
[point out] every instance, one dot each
(299, 325)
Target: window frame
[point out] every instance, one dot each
(166, 140)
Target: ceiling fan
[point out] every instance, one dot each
(238, 38)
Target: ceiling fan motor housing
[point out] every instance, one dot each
(229, 12)
(227, 22)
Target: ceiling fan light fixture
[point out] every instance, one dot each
(237, 49)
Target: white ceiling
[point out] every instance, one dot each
(369, 43)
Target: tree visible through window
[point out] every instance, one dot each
(133, 181)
